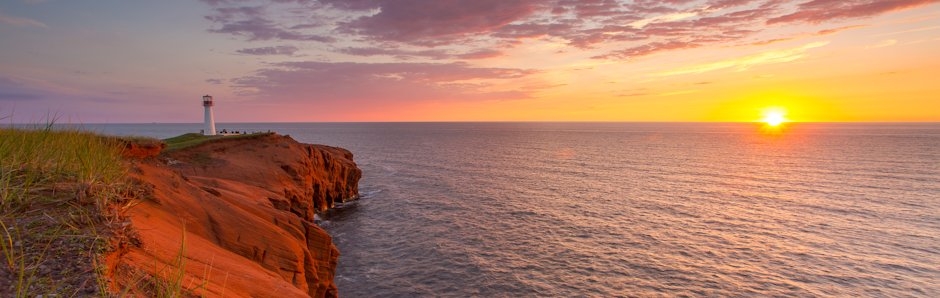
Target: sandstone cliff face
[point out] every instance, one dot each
(237, 215)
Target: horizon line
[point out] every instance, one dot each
(495, 121)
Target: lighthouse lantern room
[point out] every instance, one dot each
(210, 122)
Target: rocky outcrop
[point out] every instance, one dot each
(234, 217)
(136, 149)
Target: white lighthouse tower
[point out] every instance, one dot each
(210, 122)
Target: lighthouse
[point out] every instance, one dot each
(210, 122)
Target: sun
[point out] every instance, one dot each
(774, 116)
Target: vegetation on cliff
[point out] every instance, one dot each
(192, 139)
(57, 192)
(88, 215)
(242, 207)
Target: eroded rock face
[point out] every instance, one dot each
(141, 150)
(237, 214)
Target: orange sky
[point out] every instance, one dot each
(485, 60)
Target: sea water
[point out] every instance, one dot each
(631, 209)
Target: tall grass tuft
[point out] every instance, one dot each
(171, 284)
(36, 159)
(47, 175)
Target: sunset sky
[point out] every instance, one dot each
(121, 61)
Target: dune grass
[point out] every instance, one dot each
(32, 160)
(55, 185)
(60, 192)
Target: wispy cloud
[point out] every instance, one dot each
(744, 63)
(276, 50)
(436, 22)
(426, 47)
(884, 44)
(395, 52)
(12, 90)
(627, 30)
(921, 29)
(817, 11)
(345, 82)
(679, 92)
(817, 33)
(253, 23)
(433, 54)
(663, 18)
(20, 21)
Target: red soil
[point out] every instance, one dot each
(240, 213)
(139, 150)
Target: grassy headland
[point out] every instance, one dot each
(56, 189)
(62, 195)
(194, 139)
(62, 192)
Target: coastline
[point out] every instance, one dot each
(216, 217)
(231, 213)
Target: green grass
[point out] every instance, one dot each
(59, 190)
(187, 140)
(55, 186)
(33, 160)
(171, 284)
(194, 139)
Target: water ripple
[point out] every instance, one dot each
(608, 210)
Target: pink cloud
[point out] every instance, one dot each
(480, 54)
(420, 34)
(533, 30)
(471, 29)
(432, 54)
(837, 30)
(722, 4)
(437, 22)
(593, 8)
(818, 11)
(817, 33)
(252, 23)
(395, 52)
(650, 48)
(348, 82)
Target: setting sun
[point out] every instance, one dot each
(774, 116)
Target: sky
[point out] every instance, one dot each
(118, 61)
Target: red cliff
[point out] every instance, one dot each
(233, 217)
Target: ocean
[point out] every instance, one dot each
(630, 209)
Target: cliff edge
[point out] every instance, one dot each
(232, 217)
